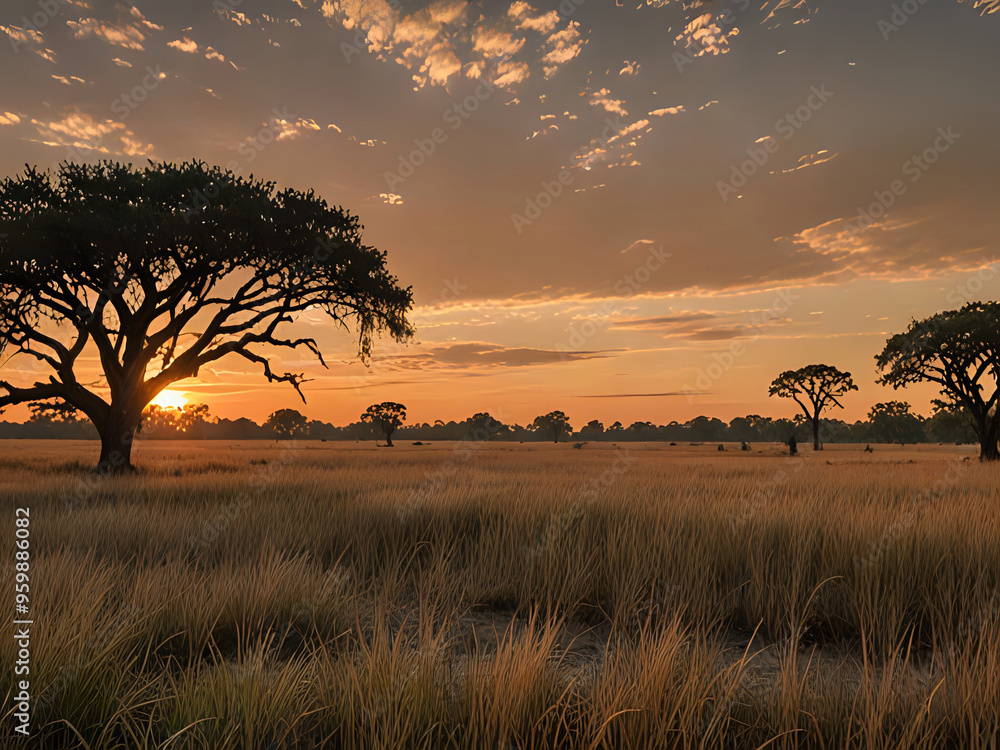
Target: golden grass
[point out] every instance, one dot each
(509, 596)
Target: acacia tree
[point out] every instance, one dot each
(815, 388)
(164, 270)
(386, 416)
(287, 424)
(959, 350)
(555, 422)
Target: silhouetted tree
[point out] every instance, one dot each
(893, 422)
(959, 350)
(157, 420)
(592, 429)
(135, 261)
(287, 424)
(53, 412)
(386, 416)
(483, 426)
(815, 388)
(951, 422)
(554, 422)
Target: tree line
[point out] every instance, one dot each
(890, 422)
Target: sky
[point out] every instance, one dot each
(623, 210)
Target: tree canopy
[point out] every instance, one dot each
(287, 424)
(166, 269)
(555, 422)
(959, 350)
(386, 416)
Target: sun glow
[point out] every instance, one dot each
(170, 400)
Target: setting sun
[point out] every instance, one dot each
(170, 400)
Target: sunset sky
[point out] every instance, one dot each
(556, 181)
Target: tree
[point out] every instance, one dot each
(157, 420)
(130, 263)
(483, 426)
(555, 422)
(593, 429)
(959, 350)
(386, 416)
(53, 412)
(815, 388)
(893, 422)
(951, 422)
(287, 424)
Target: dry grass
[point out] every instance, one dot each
(255, 596)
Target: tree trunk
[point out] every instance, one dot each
(388, 440)
(988, 448)
(116, 448)
(816, 445)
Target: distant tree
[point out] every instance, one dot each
(815, 388)
(893, 422)
(386, 417)
(135, 261)
(53, 412)
(483, 426)
(959, 350)
(555, 422)
(616, 427)
(952, 423)
(157, 420)
(592, 429)
(287, 424)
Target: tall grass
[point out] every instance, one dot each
(513, 597)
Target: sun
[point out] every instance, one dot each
(170, 400)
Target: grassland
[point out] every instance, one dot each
(508, 596)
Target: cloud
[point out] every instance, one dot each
(544, 24)
(638, 395)
(602, 98)
(630, 69)
(563, 46)
(665, 321)
(128, 33)
(666, 111)
(191, 47)
(29, 38)
(9, 118)
(184, 45)
(477, 355)
(69, 81)
(703, 36)
(448, 37)
(81, 131)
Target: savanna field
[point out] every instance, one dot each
(307, 594)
